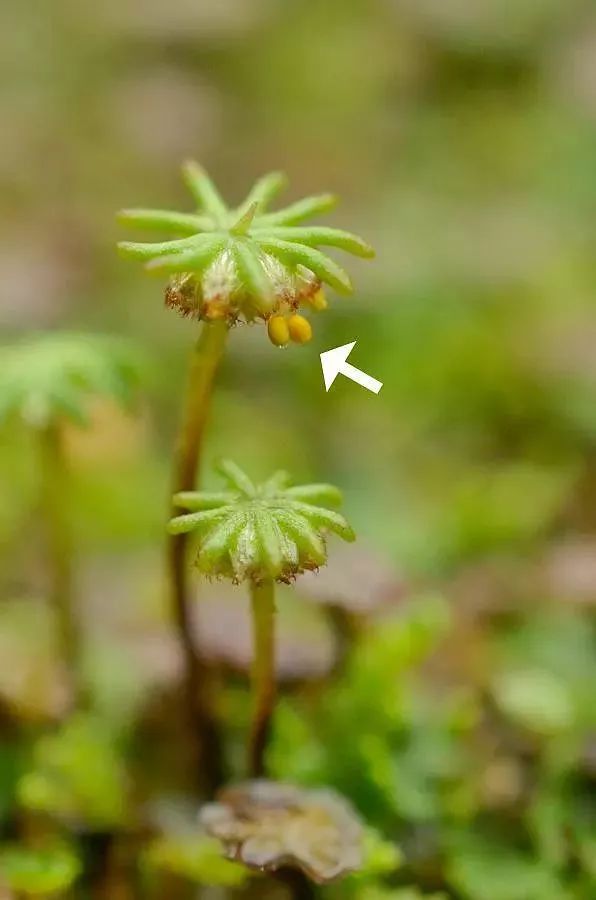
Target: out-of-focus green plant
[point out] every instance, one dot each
(401, 752)
(38, 872)
(48, 380)
(487, 868)
(433, 767)
(45, 378)
(196, 858)
(78, 777)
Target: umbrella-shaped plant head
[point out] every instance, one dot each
(47, 380)
(245, 263)
(261, 533)
(53, 376)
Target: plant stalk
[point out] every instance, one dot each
(203, 731)
(299, 887)
(263, 673)
(56, 509)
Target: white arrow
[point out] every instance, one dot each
(334, 362)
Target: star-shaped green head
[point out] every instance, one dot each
(47, 376)
(270, 531)
(245, 263)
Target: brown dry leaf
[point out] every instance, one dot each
(269, 826)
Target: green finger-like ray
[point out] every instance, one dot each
(314, 236)
(299, 211)
(326, 269)
(214, 550)
(196, 259)
(244, 554)
(268, 539)
(143, 251)
(325, 518)
(166, 220)
(244, 221)
(278, 481)
(197, 521)
(195, 500)
(264, 191)
(252, 275)
(204, 191)
(310, 543)
(316, 494)
(236, 477)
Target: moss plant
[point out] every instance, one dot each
(261, 534)
(227, 265)
(46, 381)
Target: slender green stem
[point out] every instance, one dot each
(263, 673)
(54, 498)
(203, 731)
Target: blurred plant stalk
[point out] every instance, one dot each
(263, 674)
(56, 508)
(204, 737)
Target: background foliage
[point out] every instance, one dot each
(462, 137)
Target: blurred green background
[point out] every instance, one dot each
(461, 136)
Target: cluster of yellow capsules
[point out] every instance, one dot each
(293, 327)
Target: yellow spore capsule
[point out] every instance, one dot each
(319, 301)
(278, 331)
(300, 329)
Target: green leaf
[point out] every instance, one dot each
(78, 775)
(39, 872)
(196, 858)
(486, 869)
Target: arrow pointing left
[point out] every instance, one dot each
(335, 362)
